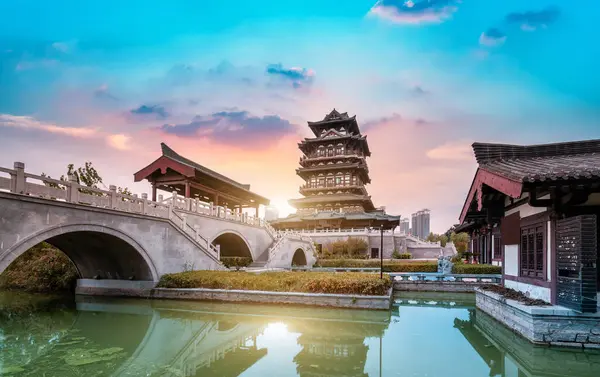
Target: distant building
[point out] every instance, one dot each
(405, 226)
(271, 213)
(420, 223)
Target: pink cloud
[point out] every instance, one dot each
(452, 151)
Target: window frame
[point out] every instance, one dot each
(530, 227)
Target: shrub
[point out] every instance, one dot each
(388, 265)
(236, 262)
(43, 268)
(312, 282)
(352, 247)
(457, 259)
(405, 256)
(462, 268)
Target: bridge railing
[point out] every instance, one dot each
(197, 206)
(70, 191)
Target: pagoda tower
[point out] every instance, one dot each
(335, 172)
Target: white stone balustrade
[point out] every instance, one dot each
(19, 182)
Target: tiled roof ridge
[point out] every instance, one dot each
(490, 152)
(170, 153)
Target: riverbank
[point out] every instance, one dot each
(343, 290)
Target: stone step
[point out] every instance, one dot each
(258, 264)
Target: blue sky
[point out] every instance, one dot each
(232, 84)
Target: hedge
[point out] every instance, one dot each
(461, 268)
(310, 282)
(398, 265)
(236, 262)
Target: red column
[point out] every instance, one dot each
(153, 191)
(187, 189)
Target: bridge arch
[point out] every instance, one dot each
(233, 244)
(299, 258)
(96, 250)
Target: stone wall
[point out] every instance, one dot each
(313, 299)
(532, 359)
(437, 286)
(551, 325)
(390, 243)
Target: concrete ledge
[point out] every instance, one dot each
(296, 298)
(437, 286)
(550, 325)
(126, 288)
(117, 288)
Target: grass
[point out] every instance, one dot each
(309, 282)
(389, 265)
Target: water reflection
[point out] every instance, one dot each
(424, 335)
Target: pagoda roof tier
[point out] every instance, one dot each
(360, 139)
(345, 219)
(362, 169)
(365, 200)
(351, 156)
(333, 119)
(312, 191)
(171, 170)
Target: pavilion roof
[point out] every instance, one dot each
(508, 168)
(189, 168)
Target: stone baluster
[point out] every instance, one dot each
(113, 196)
(211, 208)
(174, 199)
(196, 205)
(144, 203)
(160, 198)
(73, 190)
(18, 180)
(197, 231)
(183, 221)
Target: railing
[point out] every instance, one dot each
(438, 277)
(351, 230)
(70, 191)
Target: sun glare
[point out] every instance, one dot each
(283, 207)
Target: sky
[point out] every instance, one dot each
(231, 85)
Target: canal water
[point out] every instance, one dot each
(423, 335)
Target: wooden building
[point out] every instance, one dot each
(173, 172)
(535, 209)
(335, 172)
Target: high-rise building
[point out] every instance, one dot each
(271, 213)
(335, 172)
(420, 223)
(404, 226)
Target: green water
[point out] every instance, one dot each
(424, 335)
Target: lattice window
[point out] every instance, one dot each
(533, 251)
(497, 246)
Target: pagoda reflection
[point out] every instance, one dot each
(334, 348)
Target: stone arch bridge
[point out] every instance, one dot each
(108, 235)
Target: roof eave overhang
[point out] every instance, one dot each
(507, 186)
(163, 163)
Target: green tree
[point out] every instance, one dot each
(85, 175)
(441, 238)
(461, 241)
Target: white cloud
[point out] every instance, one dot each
(452, 151)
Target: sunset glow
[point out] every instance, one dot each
(231, 85)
